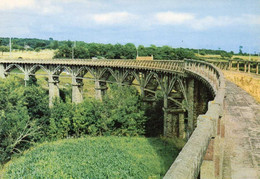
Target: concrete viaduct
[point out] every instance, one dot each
(193, 94)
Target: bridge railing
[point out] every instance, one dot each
(237, 65)
(188, 163)
(165, 65)
(207, 71)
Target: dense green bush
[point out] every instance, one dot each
(96, 157)
(23, 115)
(113, 116)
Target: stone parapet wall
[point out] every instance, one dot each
(188, 163)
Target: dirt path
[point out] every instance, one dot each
(242, 135)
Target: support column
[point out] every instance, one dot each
(175, 125)
(77, 90)
(165, 114)
(196, 102)
(237, 65)
(149, 100)
(53, 89)
(26, 79)
(100, 88)
(249, 67)
(190, 96)
(230, 65)
(245, 67)
(2, 71)
(257, 68)
(182, 134)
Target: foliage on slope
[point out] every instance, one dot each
(96, 157)
(25, 117)
(23, 112)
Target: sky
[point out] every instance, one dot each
(209, 24)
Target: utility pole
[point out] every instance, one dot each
(249, 54)
(73, 46)
(10, 46)
(136, 52)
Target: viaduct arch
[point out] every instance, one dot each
(187, 86)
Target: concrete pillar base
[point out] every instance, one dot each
(100, 88)
(2, 71)
(53, 90)
(77, 90)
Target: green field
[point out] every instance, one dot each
(96, 157)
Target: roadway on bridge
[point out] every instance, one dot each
(242, 134)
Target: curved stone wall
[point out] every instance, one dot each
(187, 164)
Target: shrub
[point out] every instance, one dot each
(20, 125)
(113, 116)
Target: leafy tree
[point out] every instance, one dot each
(130, 51)
(60, 120)
(226, 55)
(81, 52)
(63, 52)
(202, 52)
(240, 50)
(126, 115)
(184, 53)
(17, 128)
(54, 45)
(4, 49)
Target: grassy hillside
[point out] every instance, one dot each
(43, 54)
(218, 57)
(249, 82)
(96, 157)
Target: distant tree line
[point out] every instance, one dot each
(109, 51)
(118, 51)
(30, 43)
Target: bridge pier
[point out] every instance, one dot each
(26, 79)
(175, 123)
(2, 71)
(149, 99)
(165, 114)
(237, 65)
(54, 91)
(245, 67)
(249, 67)
(257, 68)
(100, 89)
(230, 65)
(190, 98)
(77, 90)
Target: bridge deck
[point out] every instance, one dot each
(242, 141)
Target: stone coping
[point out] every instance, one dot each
(187, 164)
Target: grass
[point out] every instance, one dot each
(96, 157)
(218, 57)
(249, 82)
(43, 54)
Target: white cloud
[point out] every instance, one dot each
(224, 21)
(173, 18)
(16, 4)
(40, 6)
(211, 22)
(250, 19)
(203, 23)
(113, 18)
